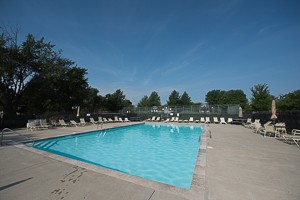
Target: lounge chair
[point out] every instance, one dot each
(120, 119)
(167, 120)
(202, 120)
(229, 120)
(157, 119)
(126, 120)
(248, 121)
(296, 132)
(31, 124)
(172, 119)
(92, 120)
(197, 121)
(216, 121)
(270, 130)
(74, 123)
(254, 124)
(153, 119)
(116, 119)
(44, 124)
(222, 120)
(62, 123)
(191, 120)
(105, 120)
(110, 120)
(53, 123)
(176, 119)
(207, 120)
(292, 138)
(82, 122)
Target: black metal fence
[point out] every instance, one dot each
(290, 118)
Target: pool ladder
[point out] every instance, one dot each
(14, 132)
(101, 125)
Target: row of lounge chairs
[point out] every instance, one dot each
(33, 124)
(191, 120)
(277, 130)
(82, 121)
(42, 123)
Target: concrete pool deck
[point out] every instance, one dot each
(239, 165)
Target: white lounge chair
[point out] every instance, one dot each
(74, 123)
(100, 120)
(229, 120)
(110, 120)
(172, 119)
(120, 119)
(270, 130)
(292, 139)
(62, 123)
(222, 120)
(296, 132)
(92, 120)
(126, 120)
(216, 121)
(157, 119)
(191, 120)
(176, 119)
(202, 120)
(105, 120)
(207, 120)
(167, 120)
(82, 122)
(254, 124)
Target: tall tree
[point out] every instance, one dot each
(214, 97)
(261, 99)
(290, 101)
(143, 102)
(185, 99)
(234, 97)
(154, 99)
(174, 99)
(116, 101)
(34, 75)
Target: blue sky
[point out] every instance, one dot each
(193, 46)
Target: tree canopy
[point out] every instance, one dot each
(214, 97)
(36, 79)
(185, 99)
(261, 99)
(174, 99)
(290, 101)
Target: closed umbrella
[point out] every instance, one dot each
(240, 112)
(78, 111)
(273, 108)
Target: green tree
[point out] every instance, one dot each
(290, 101)
(35, 76)
(154, 99)
(116, 101)
(185, 99)
(234, 97)
(92, 101)
(143, 102)
(214, 97)
(174, 99)
(261, 99)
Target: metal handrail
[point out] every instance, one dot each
(101, 124)
(8, 129)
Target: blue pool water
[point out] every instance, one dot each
(163, 153)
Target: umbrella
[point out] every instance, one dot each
(273, 108)
(240, 112)
(78, 110)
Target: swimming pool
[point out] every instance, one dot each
(163, 153)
